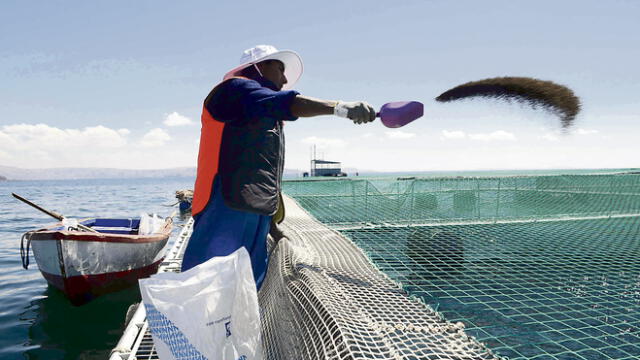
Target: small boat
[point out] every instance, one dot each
(185, 198)
(85, 264)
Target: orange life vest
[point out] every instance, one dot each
(208, 157)
(250, 172)
(208, 160)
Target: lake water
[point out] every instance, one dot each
(37, 321)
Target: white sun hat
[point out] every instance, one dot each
(291, 60)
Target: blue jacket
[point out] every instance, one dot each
(251, 154)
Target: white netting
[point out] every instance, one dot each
(323, 299)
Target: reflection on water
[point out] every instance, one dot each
(60, 330)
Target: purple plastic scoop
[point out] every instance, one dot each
(400, 113)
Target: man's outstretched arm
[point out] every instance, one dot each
(304, 106)
(358, 111)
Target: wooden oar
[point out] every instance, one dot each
(60, 217)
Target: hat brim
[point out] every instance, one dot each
(292, 66)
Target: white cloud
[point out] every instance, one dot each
(46, 146)
(456, 134)
(42, 136)
(155, 137)
(5, 139)
(499, 135)
(397, 134)
(175, 119)
(42, 145)
(324, 142)
(586, 131)
(550, 137)
(104, 137)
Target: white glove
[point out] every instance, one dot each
(358, 111)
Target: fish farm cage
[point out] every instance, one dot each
(539, 267)
(527, 267)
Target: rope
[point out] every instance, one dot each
(24, 252)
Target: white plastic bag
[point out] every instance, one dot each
(207, 312)
(149, 224)
(156, 223)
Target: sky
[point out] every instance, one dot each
(120, 84)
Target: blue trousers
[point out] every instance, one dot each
(219, 231)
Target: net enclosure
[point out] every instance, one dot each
(538, 267)
(529, 267)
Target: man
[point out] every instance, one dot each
(241, 156)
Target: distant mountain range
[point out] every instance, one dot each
(14, 173)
